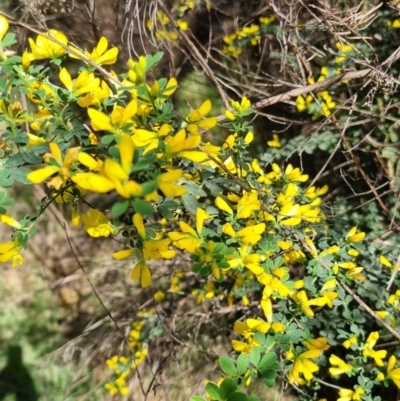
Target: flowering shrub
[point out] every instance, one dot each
(256, 234)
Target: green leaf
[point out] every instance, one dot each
(31, 157)
(242, 363)
(260, 337)
(9, 39)
(278, 261)
(268, 374)
(190, 203)
(5, 178)
(19, 174)
(142, 207)
(214, 392)
(268, 360)
(107, 139)
(253, 399)
(15, 161)
(141, 164)
(227, 365)
(237, 397)
(148, 187)
(228, 386)
(194, 189)
(151, 61)
(269, 383)
(255, 356)
(119, 208)
(196, 398)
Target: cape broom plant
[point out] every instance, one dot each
(99, 132)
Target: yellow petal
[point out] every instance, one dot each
(201, 215)
(120, 255)
(126, 150)
(138, 223)
(99, 121)
(223, 205)
(6, 219)
(129, 111)
(65, 78)
(3, 26)
(42, 174)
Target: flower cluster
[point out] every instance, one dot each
(257, 236)
(236, 41)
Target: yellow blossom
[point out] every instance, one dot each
(368, 349)
(223, 205)
(10, 251)
(100, 55)
(353, 236)
(45, 47)
(303, 365)
(3, 26)
(62, 166)
(392, 374)
(339, 366)
(350, 341)
(195, 118)
(96, 224)
(275, 143)
(350, 395)
(9, 221)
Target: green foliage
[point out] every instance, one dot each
(256, 234)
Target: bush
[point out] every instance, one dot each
(258, 236)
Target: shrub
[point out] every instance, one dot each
(256, 235)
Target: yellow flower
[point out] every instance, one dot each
(353, 236)
(62, 167)
(189, 239)
(152, 249)
(385, 261)
(34, 140)
(275, 143)
(181, 146)
(350, 395)
(116, 123)
(137, 70)
(252, 234)
(320, 343)
(96, 224)
(339, 366)
(368, 349)
(301, 104)
(223, 205)
(183, 25)
(113, 175)
(86, 82)
(151, 139)
(10, 251)
(159, 296)
(247, 259)
(393, 374)
(350, 341)
(165, 182)
(303, 365)
(45, 47)
(195, 118)
(9, 221)
(267, 20)
(247, 204)
(3, 26)
(100, 55)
